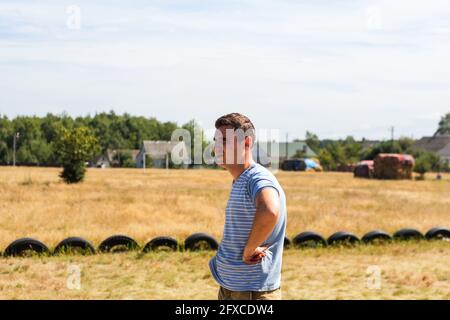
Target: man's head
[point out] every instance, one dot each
(234, 137)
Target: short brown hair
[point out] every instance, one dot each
(237, 121)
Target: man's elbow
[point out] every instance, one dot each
(273, 214)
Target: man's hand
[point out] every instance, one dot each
(254, 256)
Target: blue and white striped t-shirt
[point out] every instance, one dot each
(227, 266)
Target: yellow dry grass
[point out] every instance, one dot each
(408, 271)
(33, 202)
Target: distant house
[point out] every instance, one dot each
(276, 152)
(111, 158)
(114, 155)
(438, 144)
(101, 161)
(160, 154)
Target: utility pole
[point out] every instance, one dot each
(392, 135)
(16, 137)
(167, 160)
(257, 151)
(143, 159)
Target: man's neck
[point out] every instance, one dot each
(237, 170)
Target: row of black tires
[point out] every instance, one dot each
(203, 241)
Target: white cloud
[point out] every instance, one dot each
(286, 64)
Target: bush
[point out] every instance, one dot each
(74, 148)
(129, 163)
(73, 173)
(423, 165)
(326, 160)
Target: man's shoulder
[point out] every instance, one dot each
(259, 171)
(261, 176)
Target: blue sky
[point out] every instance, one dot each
(336, 68)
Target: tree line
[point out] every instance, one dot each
(37, 135)
(336, 154)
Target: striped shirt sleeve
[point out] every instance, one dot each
(257, 183)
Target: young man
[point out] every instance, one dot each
(247, 265)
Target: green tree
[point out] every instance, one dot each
(125, 159)
(444, 125)
(299, 154)
(326, 160)
(423, 165)
(24, 155)
(4, 152)
(337, 152)
(113, 131)
(352, 150)
(196, 133)
(312, 140)
(383, 147)
(405, 143)
(434, 161)
(41, 151)
(74, 148)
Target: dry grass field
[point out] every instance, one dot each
(34, 203)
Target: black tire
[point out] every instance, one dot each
(195, 242)
(309, 239)
(408, 234)
(124, 243)
(438, 233)
(161, 242)
(21, 246)
(376, 236)
(74, 244)
(342, 237)
(287, 242)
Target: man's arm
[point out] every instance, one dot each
(266, 216)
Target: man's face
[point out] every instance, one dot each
(230, 146)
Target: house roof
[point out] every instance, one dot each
(159, 149)
(102, 158)
(445, 152)
(434, 144)
(112, 153)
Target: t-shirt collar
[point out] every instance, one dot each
(243, 172)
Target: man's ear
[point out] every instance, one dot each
(248, 142)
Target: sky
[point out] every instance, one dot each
(335, 68)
